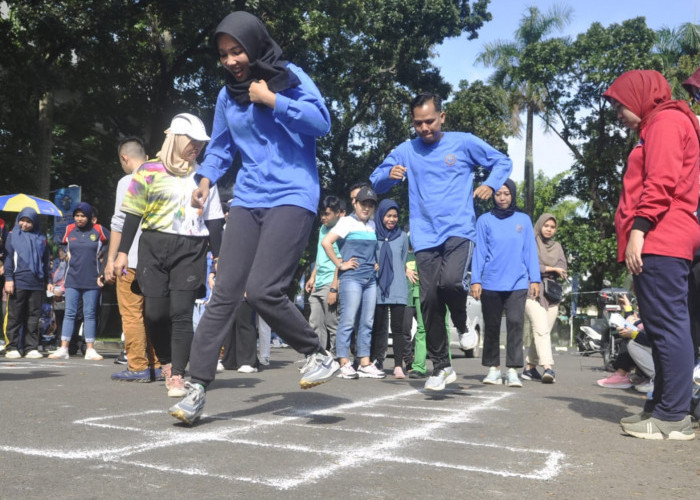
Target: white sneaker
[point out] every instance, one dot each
(347, 371)
(370, 371)
(93, 355)
(13, 354)
(247, 369)
(308, 363)
(493, 377)
(60, 353)
(34, 354)
(219, 367)
(438, 381)
(468, 340)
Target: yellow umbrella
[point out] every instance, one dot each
(16, 202)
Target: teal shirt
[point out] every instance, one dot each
(325, 269)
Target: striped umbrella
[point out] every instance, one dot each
(16, 202)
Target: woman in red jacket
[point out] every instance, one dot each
(657, 234)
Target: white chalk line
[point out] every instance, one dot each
(377, 450)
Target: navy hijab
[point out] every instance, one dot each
(503, 213)
(263, 52)
(86, 208)
(29, 245)
(386, 268)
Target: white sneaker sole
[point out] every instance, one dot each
(491, 381)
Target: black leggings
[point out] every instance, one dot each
(380, 335)
(168, 323)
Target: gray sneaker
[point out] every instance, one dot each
(438, 381)
(190, 408)
(653, 428)
(637, 417)
(321, 370)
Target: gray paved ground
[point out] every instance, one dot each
(70, 432)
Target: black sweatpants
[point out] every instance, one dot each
(240, 345)
(259, 254)
(444, 282)
(23, 308)
(492, 305)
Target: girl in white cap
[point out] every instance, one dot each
(173, 246)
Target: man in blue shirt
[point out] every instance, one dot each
(440, 168)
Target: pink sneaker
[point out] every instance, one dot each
(616, 381)
(176, 386)
(398, 372)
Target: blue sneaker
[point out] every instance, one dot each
(548, 376)
(129, 376)
(512, 379)
(190, 408)
(531, 374)
(494, 377)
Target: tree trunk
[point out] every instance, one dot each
(529, 194)
(45, 144)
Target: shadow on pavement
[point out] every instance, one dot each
(287, 404)
(607, 412)
(31, 375)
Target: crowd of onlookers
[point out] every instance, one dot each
(369, 277)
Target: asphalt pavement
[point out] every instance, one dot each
(71, 432)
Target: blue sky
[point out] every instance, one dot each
(456, 57)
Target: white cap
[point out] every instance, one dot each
(189, 125)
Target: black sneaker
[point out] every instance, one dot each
(121, 359)
(531, 374)
(416, 374)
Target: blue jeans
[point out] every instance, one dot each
(356, 297)
(91, 299)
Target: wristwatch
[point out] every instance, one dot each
(333, 290)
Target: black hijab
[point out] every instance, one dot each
(263, 52)
(503, 213)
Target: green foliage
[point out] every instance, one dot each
(574, 75)
(115, 68)
(482, 110)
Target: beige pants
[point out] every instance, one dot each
(541, 322)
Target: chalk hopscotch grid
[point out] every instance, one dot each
(379, 449)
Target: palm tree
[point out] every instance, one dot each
(524, 95)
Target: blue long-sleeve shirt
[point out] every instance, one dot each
(505, 256)
(277, 146)
(441, 184)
